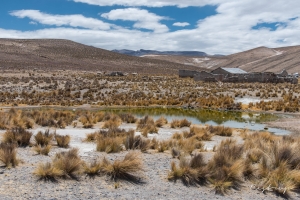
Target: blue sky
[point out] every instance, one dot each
(212, 26)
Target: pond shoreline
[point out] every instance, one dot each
(270, 123)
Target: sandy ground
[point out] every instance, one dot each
(20, 183)
(291, 123)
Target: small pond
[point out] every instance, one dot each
(234, 119)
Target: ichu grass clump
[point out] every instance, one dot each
(136, 142)
(180, 123)
(8, 155)
(63, 140)
(191, 172)
(128, 169)
(109, 144)
(47, 172)
(43, 150)
(161, 121)
(69, 163)
(220, 130)
(43, 139)
(17, 135)
(147, 125)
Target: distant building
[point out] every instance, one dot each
(237, 75)
(284, 73)
(208, 77)
(116, 74)
(186, 73)
(229, 72)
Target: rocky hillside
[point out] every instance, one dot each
(254, 60)
(55, 54)
(144, 52)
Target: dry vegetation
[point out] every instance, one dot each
(270, 163)
(89, 88)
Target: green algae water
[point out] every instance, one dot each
(234, 119)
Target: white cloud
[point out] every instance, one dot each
(61, 20)
(143, 18)
(229, 31)
(181, 24)
(33, 22)
(151, 3)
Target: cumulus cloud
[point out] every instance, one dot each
(231, 30)
(143, 18)
(61, 20)
(181, 24)
(33, 22)
(151, 3)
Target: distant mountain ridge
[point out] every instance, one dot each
(143, 52)
(58, 54)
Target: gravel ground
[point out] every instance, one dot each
(20, 183)
(291, 124)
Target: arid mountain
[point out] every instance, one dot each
(143, 52)
(55, 54)
(254, 60)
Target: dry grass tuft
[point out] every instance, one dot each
(161, 121)
(43, 150)
(69, 163)
(8, 155)
(63, 140)
(91, 137)
(113, 122)
(190, 172)
(43, 139)
(136, 142)
(47, 172)
(220, 130)
(93, 168)
(147, 125)
(17, 135)
(109, 144)
(201, 134)
(128, 118)
(163, 146)
(180, 123)
(128, 169)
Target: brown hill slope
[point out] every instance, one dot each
(266, 59)
(254, 60)
(55, 54)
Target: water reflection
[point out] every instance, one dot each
(234, 119)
